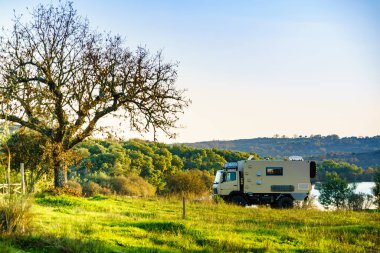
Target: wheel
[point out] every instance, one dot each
(284, 203)
(238, 200)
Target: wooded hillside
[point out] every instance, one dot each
(138, 167)
(362, 151)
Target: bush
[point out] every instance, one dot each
(359, 201)
(335, 191)
(15, 215)
(74, 186)
(376, 188)
(63, 191)
(190, 182)
(132, 185)
(100, 178)
(92, 189)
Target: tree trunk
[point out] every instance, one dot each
(59, 167)
(59, 176)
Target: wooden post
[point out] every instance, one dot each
(22, 178)
(9, 170)
(183, 207)
(5, 176)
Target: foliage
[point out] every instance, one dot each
(59, 78)
(376, 188)
(100, 178)
(75, 186)
(335, 191)
(132, 185)
(361, 151)
(90, 189)
(156, 163)
(5, 152)
(95, 162)
(66, 190)
(27, 147)
(15, 215)
(366, 159)
(98, 161)
(359, 201)
(192, 181)
(349, 172)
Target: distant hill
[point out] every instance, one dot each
(364, 160)
(358, 149)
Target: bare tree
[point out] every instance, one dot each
(59, 78)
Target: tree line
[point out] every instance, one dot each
(346, 171)
(316, 146)
(106, 165)
(336, 192)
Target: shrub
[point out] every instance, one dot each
(100, 178)
(190, 182)
(335, 192)
(63, 191)
(132, 185)
(74, 186)
(359, 201)
(376, 188)
(92, 189)
(15, 215)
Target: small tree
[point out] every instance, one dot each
(28, 147)
(359, 201)
(376, 188)
(335, 191)
(5, 135)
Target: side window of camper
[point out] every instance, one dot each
(274, 171)
(231, 176)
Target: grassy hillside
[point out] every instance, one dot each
(114, 224)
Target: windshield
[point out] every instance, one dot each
(217, 177)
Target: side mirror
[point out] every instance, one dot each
(313, 169)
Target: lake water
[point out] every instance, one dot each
(364, 187)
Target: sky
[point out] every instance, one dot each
(255, 68)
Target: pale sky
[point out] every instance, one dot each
(256, 68)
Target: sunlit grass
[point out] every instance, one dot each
(116, 224)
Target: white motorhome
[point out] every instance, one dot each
(277, 183)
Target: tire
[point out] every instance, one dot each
(284, 203)
(238, 200)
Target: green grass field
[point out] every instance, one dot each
(116, 224)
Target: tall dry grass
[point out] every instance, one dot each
(15, 214)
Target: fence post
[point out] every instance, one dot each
(22, 178)
(9, 171)
(183, 207)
